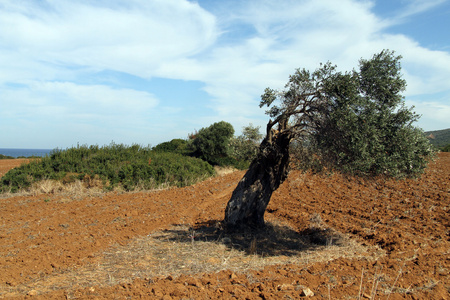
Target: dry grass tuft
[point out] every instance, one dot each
(222, 171)
(76, 189)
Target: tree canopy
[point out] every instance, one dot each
(355, 121)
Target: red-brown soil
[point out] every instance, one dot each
(8, 164)
(54, 246)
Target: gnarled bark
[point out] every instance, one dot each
(265, 174)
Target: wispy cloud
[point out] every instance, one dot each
(432, 112)
(71, 112)
(414, 7)
(295, 34)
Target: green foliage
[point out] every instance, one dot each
(367, 129)
(176, 145)
(445, 148)
(217, 145)
(212, 143)
(439, 138)
(116, 164)
(6, 157)
(304, 155)
(245, 147)
(355, 121)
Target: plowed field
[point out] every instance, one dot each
(328, 237)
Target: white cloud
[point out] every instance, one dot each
(132, 36)
(69, 112)
(434, 114)
(292, 34)
(426, 71)
(69, 99)
(50, 47)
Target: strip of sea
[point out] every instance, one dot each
(24, 152)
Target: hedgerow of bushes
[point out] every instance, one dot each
(116, 165)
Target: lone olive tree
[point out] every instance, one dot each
(357, 121)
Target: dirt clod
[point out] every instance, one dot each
(306, 293)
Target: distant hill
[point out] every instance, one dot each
(439, 138)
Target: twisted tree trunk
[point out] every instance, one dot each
(265, 174)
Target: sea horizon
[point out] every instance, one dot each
(19, 152)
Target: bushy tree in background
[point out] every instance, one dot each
(245, 146)
(217, 145)
(212, 143)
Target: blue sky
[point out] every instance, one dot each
(148, 71)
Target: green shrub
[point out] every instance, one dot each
(445, 148)
(231, 162)
(116, 165)
(175, 145)
(212, 143)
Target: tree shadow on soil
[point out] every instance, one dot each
(272, 240)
